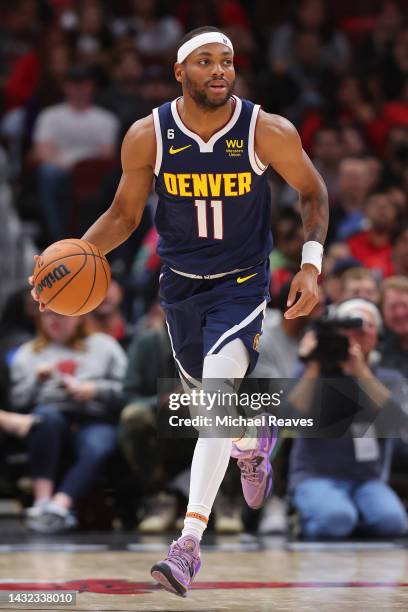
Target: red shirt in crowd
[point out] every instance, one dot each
(371, 255)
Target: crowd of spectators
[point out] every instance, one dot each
(74, 75)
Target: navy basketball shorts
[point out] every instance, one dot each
(204, 315)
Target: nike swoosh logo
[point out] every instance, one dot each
(242, 279)
(173, 151)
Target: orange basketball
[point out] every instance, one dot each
(71, 277)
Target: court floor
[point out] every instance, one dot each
(252, 576)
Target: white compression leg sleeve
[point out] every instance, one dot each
(211, 455)
(235, 351)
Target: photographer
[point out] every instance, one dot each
(337, 483)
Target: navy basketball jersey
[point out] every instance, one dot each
(214, 209)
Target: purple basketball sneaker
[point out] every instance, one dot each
(176, 572)
(256, 469)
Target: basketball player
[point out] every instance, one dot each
(208, 152)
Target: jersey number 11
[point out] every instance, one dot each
(218, 226)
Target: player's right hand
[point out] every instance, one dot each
(305, 284)
(34, 294)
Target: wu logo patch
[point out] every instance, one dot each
(235, 147)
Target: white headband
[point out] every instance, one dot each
(202, 39)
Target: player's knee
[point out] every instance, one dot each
(231, 362)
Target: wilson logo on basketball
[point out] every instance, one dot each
(52, 277)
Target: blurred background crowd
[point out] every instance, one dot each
(78, 395)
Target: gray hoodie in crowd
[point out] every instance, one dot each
(103, 361)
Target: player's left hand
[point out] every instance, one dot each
(305, 283)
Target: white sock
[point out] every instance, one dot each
(211, 455)
(210, 462)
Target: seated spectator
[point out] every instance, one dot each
(337, 484)
(64, 135)
(123, 96)
(73, 382)
(92, 39)
(359, 283)
(394, 306)
(327, 153)
(55, 62)
(352, 105)
(372, 247)
(353, 187)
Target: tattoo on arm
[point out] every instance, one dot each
(315, 215)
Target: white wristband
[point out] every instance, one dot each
(312, 253)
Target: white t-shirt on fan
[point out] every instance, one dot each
(77, 134)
